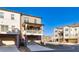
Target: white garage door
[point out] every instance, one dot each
(8, 42)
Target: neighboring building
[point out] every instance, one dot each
(67, 34)
(32, 27)
(14, 25)
(9, 26)
(47, 39)
(58, 34)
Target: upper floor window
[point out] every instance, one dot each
(12, 16)
(55, 30)
(13, 28)
(35, 21)
(75, 29)
(66, 34)
(55, 35)
(1, 15)
(4, 28)
(76, 34)
(26, 20)
(66, 29)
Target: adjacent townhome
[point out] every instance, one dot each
(67, 34)
(9, 27)
(58, 34)
(32, 27)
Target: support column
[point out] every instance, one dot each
(64, 41)
(42, 34)
(59, 39)
(0, 28)
(78, 40)
(42, 38)
(17, 41)
(26, 26)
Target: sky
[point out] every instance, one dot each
(52, 17)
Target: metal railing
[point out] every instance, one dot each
(34, 31)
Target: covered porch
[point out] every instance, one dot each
(34, 38)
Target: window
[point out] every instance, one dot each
(4, 28)
(1, 15)
(55, 35)
(66, 34)
(75, 29)
(55, 30)
(13, 28)
(66, 29)
(26, 20)
(12, 16)
(35, 21)
(76, 34)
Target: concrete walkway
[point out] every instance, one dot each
(8, 49)
(38, 48)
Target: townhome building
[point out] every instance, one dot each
(68, 34)
(58, 34)
(32, 27)
(15, 25)
(9, 27)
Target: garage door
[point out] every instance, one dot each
(8, 42)
(8, 39)
(72, 40)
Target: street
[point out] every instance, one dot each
(63, 48)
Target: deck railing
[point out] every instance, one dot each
(34, 32)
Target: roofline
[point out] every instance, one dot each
(31, 15)
(9, 10)
(20, 13)
(59, 28)
(71, 25)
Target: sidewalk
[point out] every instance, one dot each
(57, 43)
(37, 47)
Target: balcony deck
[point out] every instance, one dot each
(33, 32)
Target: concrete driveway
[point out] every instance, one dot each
(38, 48)
(11, 48)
